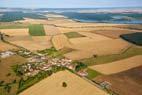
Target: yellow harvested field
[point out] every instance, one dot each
(78, 24)
(53, 86)
(32, 43)
(114, 33)
(6, 67)
(119, 66)
(80, 40)
(54, 16)
(78, 54)
(90, 38)
(65, 30)
(96, 29)
(54, 20)
(32, 21)
(16, 32)
(51, 30)
(41, 38)
(95, 37)
(44, 41)
(4, 46)
(107, 47)
(22, 38)
(57, 20)
(104, 47)
(60, 41)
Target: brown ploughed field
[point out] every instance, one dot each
(125, 83)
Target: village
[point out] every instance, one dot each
(40, 62)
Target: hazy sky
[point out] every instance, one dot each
(69, 3)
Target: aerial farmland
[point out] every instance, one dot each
(51, 53)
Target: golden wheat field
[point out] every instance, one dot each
(51, 30)
(106, 47)
(60, 41)
(119, 66)
(22, 38)
(53, 86)
(16, 32)
(5, 47)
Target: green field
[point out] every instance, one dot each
(110, 58)
(92, 74)
(135, 38)
(36, 30)
(73, 35)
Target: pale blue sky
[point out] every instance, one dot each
(70, 3)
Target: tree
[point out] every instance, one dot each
(80, 66)
(8, 74)
(14, 81)
(18, 70)
(21, 82)
(1, 83)
(7, 88)
(64, 84)
(1, 36)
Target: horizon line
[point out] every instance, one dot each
(70, 7)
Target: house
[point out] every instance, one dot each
(6, 54)
(82, 73)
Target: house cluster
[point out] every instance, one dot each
(105, 84)
(6, 54)
(31, 69)
(24, 53)
(82, 73)
(37, 62)
(62, 62)
(37, 59)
